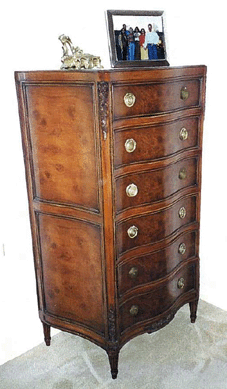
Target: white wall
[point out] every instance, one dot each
(196, 35)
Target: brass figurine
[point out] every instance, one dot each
(75, 58)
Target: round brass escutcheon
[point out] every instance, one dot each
(134, 310)
(182, 174)
(129, 99)
(183, 135)
(182, 212)
(133, 272)
(182, 248)
(132, 232)
(130, 145)
(131, 190)
(184, 93)
(181, 283)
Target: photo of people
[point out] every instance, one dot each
(139, 38)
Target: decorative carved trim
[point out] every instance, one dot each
(159, 324)
(103, 93)
(111, 325)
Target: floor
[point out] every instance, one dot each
(181, 355)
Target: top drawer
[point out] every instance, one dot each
(153, 98)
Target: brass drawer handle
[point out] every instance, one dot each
(182, 174)
(132, 232)
(184, 93)
(182, 212)
(130, 145)
(183, 135)
(129, 99)
(181, 283)
(182, 248)
(131, 190)
(133, 272)
(134, 310)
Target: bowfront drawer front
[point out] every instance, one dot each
(156, 141)
(154, 98)
(153, 266)
(153, 227)
(149, 305)
(146, 187)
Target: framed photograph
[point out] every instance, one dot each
(136, 38)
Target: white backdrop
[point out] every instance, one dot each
(196, 34)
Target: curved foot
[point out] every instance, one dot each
(46, 331)
(193, 310)
(113, 359)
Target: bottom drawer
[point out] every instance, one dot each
(146, 306)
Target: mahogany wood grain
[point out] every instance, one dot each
(158, 300)
(155, 226)
(155, 265)
(154, 141)
(70, 252)
(155, 98)
(63, 144)
(155, 185)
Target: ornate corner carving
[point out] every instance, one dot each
(111, 325)
(103, 94)
(159, 324)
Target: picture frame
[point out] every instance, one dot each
(136, 38)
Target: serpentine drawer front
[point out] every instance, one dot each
(154, 140)
(154, 98)
(153, 227)
(156, 264)
(152, 185)
(158, 300)
(113, 169)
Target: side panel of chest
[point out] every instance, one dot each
(61, 144)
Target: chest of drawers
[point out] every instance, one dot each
(113, 169)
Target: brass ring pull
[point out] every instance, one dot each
(184, 93)
(129, 99)
(133, 272)
(181, 283)
(131, 190)
(182, 213)
(183, 135)
(134, 310)
(132, 232)
(182, 174)
(130, 145)
(182, 248)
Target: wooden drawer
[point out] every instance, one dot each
(160, 299)
(153, 266)
(154, 185)
(154, 141)
(153, 227)
(155, 98)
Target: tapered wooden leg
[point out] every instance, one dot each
(193, 309)
(113, 358)
(46, 331)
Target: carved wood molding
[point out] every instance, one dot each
(103, 94)
(111, 325)
(161, 323)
